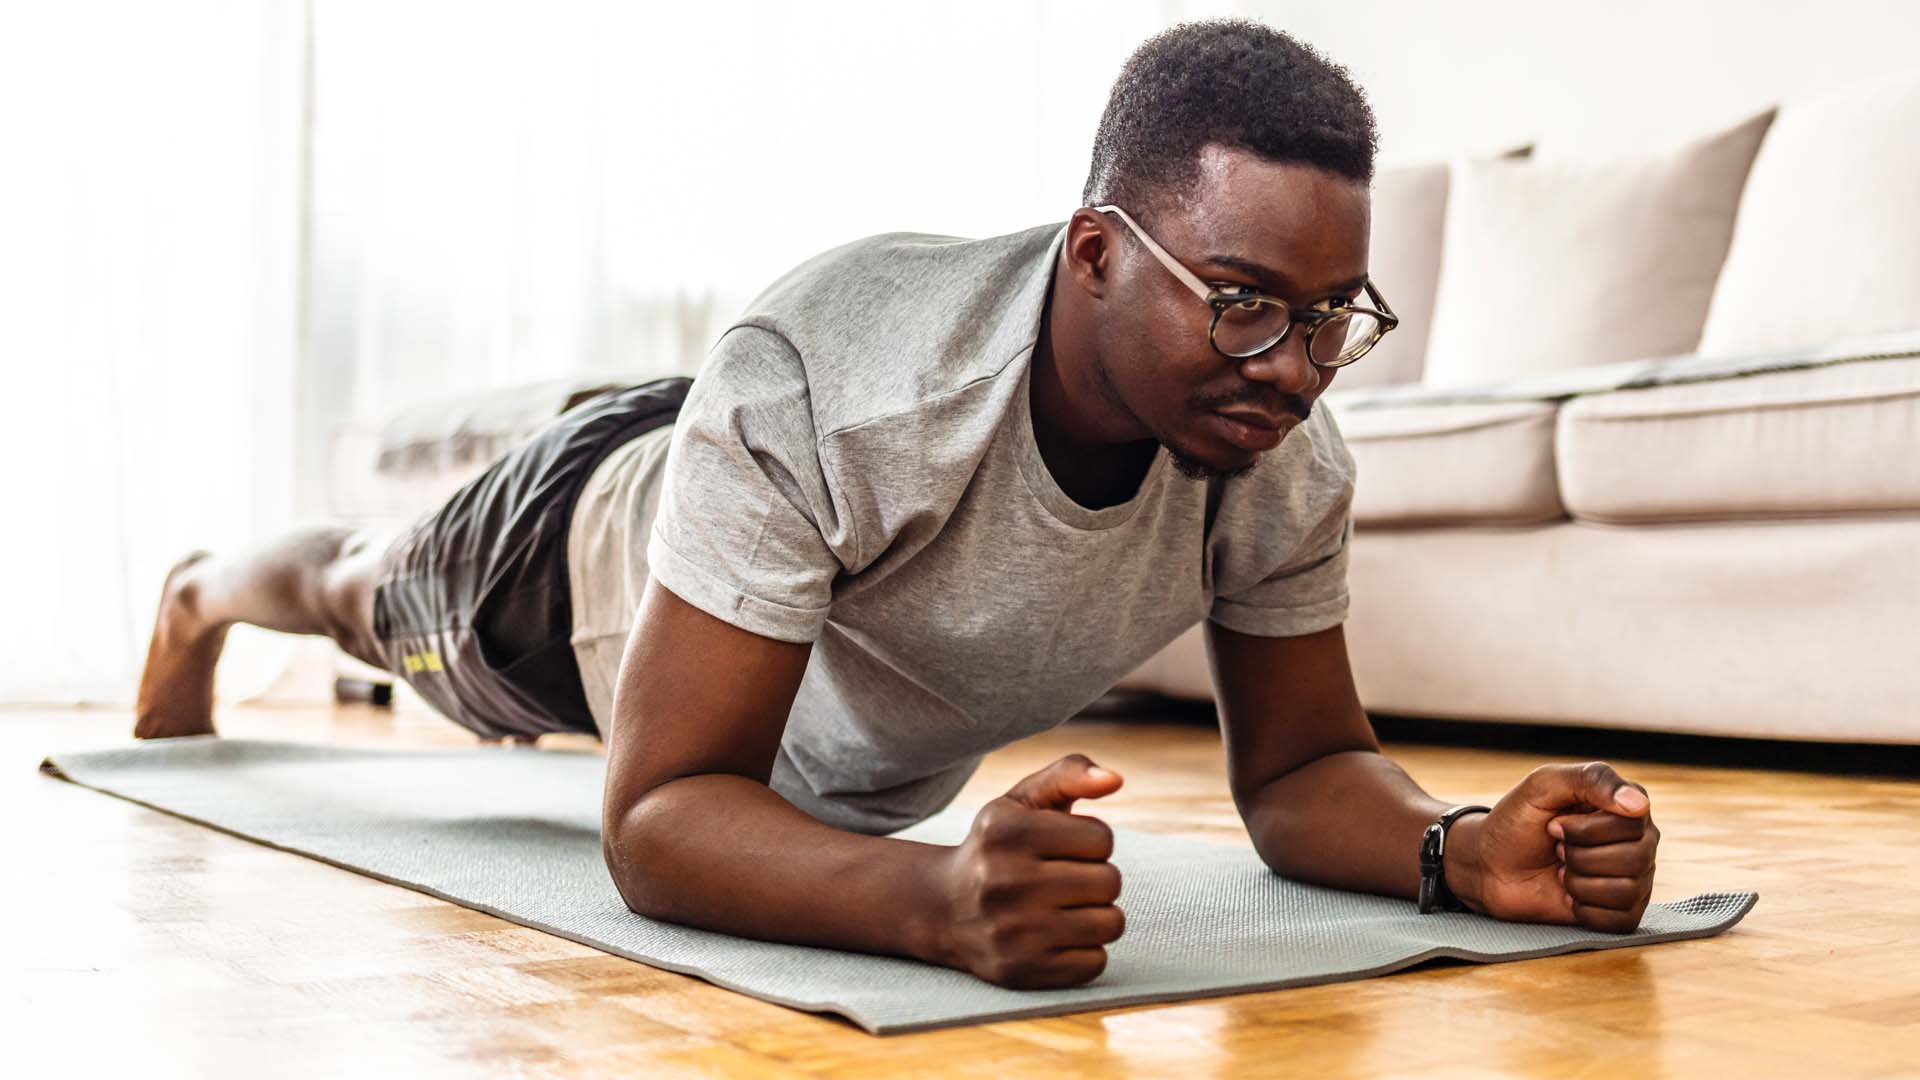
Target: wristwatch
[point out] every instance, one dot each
(1434, 894)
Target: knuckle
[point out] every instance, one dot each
(1110, 882)
(1096, 964)
(1000, 971)
(1082, 965)
(1103, 838)
(1003, 934)
(997, 822)
(1599, 918)
(997, 882)
(984, 821)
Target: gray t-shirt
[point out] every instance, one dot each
(856, 467)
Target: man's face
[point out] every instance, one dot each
(1291, 231)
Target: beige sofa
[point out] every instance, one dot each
(1726, 541)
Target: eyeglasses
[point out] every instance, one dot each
(1246, 324)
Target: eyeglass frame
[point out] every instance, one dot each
(1220, 302)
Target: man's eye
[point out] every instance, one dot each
(1233, 291)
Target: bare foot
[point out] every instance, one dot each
(176, 689)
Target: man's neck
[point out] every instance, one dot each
(1088, 445)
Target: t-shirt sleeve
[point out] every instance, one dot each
(748, 529)
(1306, 591)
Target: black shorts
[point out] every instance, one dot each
(474, 607)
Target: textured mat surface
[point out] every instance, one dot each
(516, 833)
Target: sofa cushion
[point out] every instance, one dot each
(1453, 464)
(1409, 222)
(1828, 230)
(454, 432)
(1551, 265)
(359, 490)
(1830, 440)
(1409, 218)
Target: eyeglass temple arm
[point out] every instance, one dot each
(1382, 302)
(1173, 266)
(1187, 277)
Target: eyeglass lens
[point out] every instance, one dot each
(1254, 325)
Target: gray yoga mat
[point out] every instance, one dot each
(516, 833)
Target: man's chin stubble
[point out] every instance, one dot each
(1194, 469)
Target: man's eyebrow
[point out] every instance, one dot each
(1275, 281)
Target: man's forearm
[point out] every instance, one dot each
(1353, 820)
(725, 853)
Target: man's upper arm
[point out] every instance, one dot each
(1284, 701)
(695, 695)
(745, 548)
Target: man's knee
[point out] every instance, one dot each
(346, 589)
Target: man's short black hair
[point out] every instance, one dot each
(1231, 81)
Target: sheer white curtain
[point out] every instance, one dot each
(149, 284)
(514, 191)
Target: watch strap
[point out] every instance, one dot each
(1434, 894)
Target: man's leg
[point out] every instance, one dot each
(312, 581)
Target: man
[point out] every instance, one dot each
(929, 496)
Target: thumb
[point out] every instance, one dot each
(1594, 784)
(1059, 784)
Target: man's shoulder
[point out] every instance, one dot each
(866, 272)
(888, 322)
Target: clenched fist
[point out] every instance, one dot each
(1571, 844)
(1030, 894)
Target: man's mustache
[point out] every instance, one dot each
(1292, 404)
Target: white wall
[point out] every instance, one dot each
(1446, 78)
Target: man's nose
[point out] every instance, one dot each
(1285, 366)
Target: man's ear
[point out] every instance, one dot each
(1089, 250)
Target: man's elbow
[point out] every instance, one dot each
(630, 844)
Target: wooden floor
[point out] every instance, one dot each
(140, 945)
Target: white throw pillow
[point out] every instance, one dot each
(1409, 223)
(1828, 241)
(1552, 265)
(1409, 218)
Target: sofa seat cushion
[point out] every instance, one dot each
(1841, 439)
(1482, 463)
